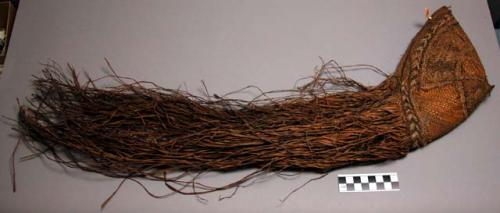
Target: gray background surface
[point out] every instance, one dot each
(231, 44)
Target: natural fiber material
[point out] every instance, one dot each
(138, 129)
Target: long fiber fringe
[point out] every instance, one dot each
(139, 129)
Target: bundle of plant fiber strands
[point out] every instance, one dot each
(138, 129)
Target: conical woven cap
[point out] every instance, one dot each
(442, 77)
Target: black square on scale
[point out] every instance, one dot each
(342, 180)
(365, 186)
(380, 186)
(357, 179)
(371, 179)
(387, 178)
(350, 187)
(395, 185)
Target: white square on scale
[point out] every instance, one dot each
(349, 179)
(387, 186)
(394, 178)
(373, 186)
(357, 187)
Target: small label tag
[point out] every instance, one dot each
(372, 182)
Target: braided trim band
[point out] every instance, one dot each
(415, 69)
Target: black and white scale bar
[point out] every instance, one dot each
(372, 182)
